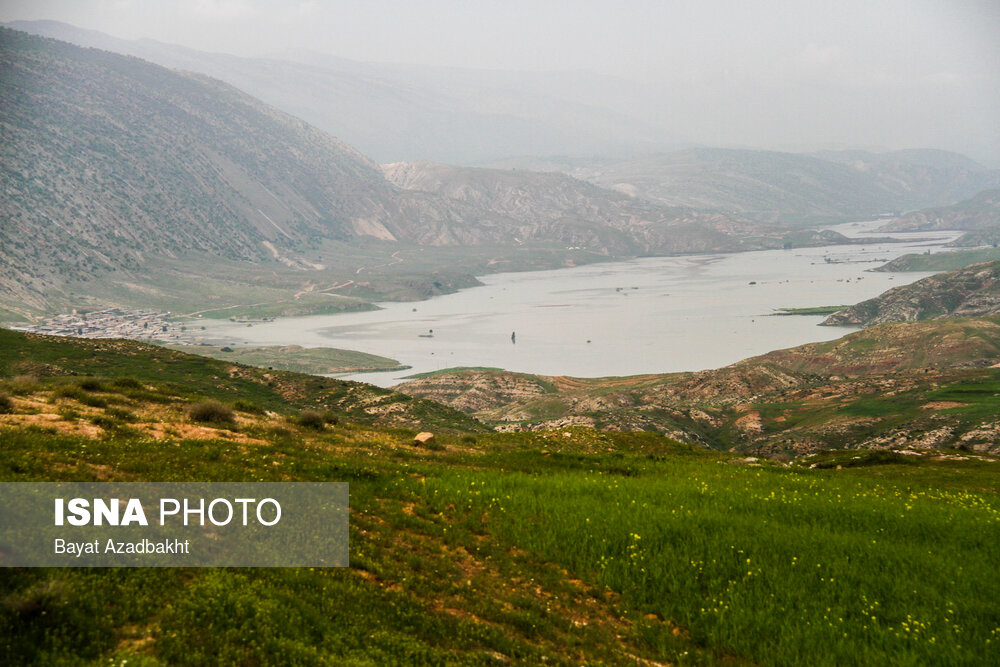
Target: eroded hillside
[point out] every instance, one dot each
(919, 385)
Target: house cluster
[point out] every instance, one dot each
(111, 323)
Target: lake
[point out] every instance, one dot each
(649, 315)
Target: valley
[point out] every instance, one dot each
(567, 355)
(612, 318)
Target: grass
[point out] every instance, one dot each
(941, 261)
(814, 310)
(570, 546)
(314, 360)
(211, 412)
(539, 545)
(734, 554)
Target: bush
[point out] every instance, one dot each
(250, 408)
(6, 405)
(90, 384)
(105, 422)
(22, 384)
(93, 401)
(211, 412)
(128, 383)
(121, 415)
(68, 391)
(312, 419)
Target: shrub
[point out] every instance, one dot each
(331, 418)
(250, 408)
(93, 401)
(6, 405)
(68, 414)
(312, 419)
(90, 384)
(128, 383)
(211, 412)
(22, 384)
(105, 422)
(68, 391)
(121, 414)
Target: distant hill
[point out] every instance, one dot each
(980, 212)
(967, 292)
(557, 206)
(941, 261)
(125, 178)
(785, 188)
(110, 164)
(395, 112)
(40, 357)
(890, 385)
(915, 157)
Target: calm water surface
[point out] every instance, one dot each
(649, 315)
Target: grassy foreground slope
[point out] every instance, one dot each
(181, 374)
(566, 546)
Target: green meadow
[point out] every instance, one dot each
(554, 547)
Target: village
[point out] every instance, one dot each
(147, 325)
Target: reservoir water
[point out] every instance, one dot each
(649, 315)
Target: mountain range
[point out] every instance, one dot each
(120, 173)
(784, 188)
(125, 182)
(109, 161)
(395, 112)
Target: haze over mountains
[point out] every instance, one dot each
(394, 113)
(112, 164)
(784, 188)
(108, 158)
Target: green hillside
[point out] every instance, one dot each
(180, 374)
(566, 546)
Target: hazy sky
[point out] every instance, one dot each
(892, 73)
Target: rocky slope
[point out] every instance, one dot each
(107, 159)
(542, 206)
(967, 292)
(976, 213)
(890, 385)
